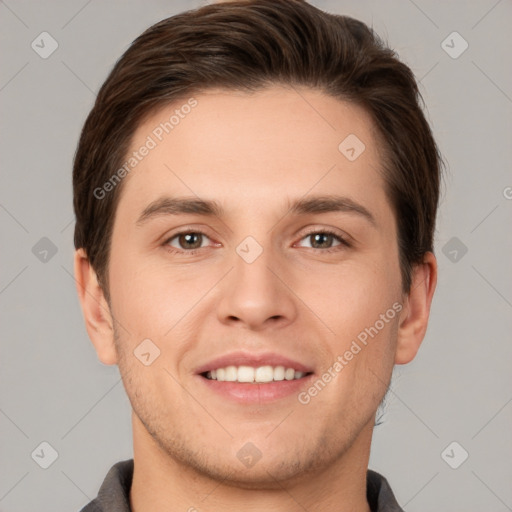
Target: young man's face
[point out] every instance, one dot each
(259, 284)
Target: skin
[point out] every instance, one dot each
(253, 154)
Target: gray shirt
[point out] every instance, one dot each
(113, 495)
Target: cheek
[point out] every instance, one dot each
(362, 360)
(158, 301)
(359, 303)
(358, 292)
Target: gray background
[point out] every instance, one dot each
(459, 388)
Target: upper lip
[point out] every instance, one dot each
(241, 358)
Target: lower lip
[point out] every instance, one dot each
(256, 393)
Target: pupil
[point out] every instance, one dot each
(319, 236)
(188, 239)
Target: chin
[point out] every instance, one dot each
(264, 475)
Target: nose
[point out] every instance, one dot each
(256, 293)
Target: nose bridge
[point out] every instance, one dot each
(251, 274)
(255, 259)
(253, 293)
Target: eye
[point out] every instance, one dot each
(323, 240)
(187, 241)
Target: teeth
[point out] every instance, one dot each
(231, 374)
(245, 374)
(264, 374)
(289, 374)
(279, 372)
(250, 374)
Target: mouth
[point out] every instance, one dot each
(258, 375)
(255, 379)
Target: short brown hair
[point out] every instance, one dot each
(247, 45)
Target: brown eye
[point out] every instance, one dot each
(190, 240)
(186, 241)
(321, 240)
(325, 239)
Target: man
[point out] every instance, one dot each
(255, 192)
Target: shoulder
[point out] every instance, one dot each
(114, 492)
(379, 494)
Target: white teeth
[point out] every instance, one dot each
(249, 374)
(230, 374)
(279, 373)
(289, 374)
(264, 374)
(245, 374)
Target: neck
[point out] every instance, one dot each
(162, 483)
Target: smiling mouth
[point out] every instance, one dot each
(254, 375)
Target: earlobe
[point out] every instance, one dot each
(96, 311)
(416, 311)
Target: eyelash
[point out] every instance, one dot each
(342, 240)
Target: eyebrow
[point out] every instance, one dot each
(210, 208)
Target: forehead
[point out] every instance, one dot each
(252, 146)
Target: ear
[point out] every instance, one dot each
(96, 311)
(416, 310)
